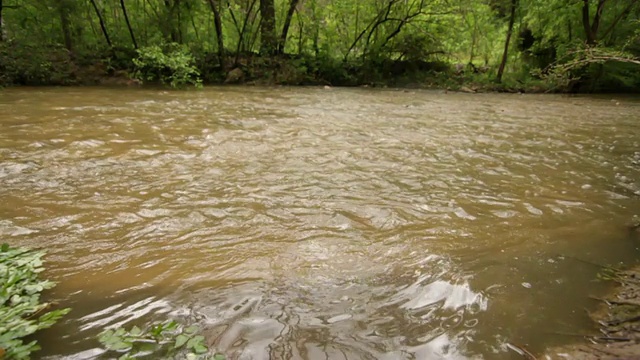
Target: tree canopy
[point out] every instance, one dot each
(338, 41)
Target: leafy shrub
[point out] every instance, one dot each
(21, 313)
(174, 65)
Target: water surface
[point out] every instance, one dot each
(306, 223)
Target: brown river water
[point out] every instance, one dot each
(310, 223)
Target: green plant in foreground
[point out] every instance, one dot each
(21, 312)
(165, 340)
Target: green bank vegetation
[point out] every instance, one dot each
(563, 45)
(164, 340)
(23, 313)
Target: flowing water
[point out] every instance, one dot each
(308, 223)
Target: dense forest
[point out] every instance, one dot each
(553, 45)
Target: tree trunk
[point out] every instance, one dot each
(171, 23)
(268, 40)
(300, 32)
(1, 30)
(591, 28)
(217, 20)
(179, 24)
(243, 30)
(102, 26)
(505, 54)
(126, 18)
(66, 29)
(287, 23)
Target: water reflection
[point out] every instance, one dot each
(303, 223)
(368, 318)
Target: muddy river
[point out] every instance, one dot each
(311, 223)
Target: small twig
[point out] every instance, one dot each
(615, 302)
(568, 334)
(611, 338)
(623, 321)
(521, 351)
(588, 262)
(45, 307)
(600, 299)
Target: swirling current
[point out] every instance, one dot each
(312, 223)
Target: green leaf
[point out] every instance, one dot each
(191, 330)
(121, 345)
(170, 325)
(16, 299)
(219, 357)
(181, 340)
(135, 331)
(195, 341)
(200, 349)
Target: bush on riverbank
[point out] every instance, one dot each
(172, 65)
(21, 311)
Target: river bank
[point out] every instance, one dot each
(618, 320)
(56, 66)
(290, 74)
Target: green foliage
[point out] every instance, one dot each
(559, 54)
(29, 64)
(160, 340)
(21, 312)
(340, 42)
(593, 68)
(173, 65)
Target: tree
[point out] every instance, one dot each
(1, 28)
(102, 25)
(349, 41)
(217, 18)
(505, 54)
(126, 18)
(268, 39)
(64, 9)
(287, 23)
(591, 26)
(172, 23)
